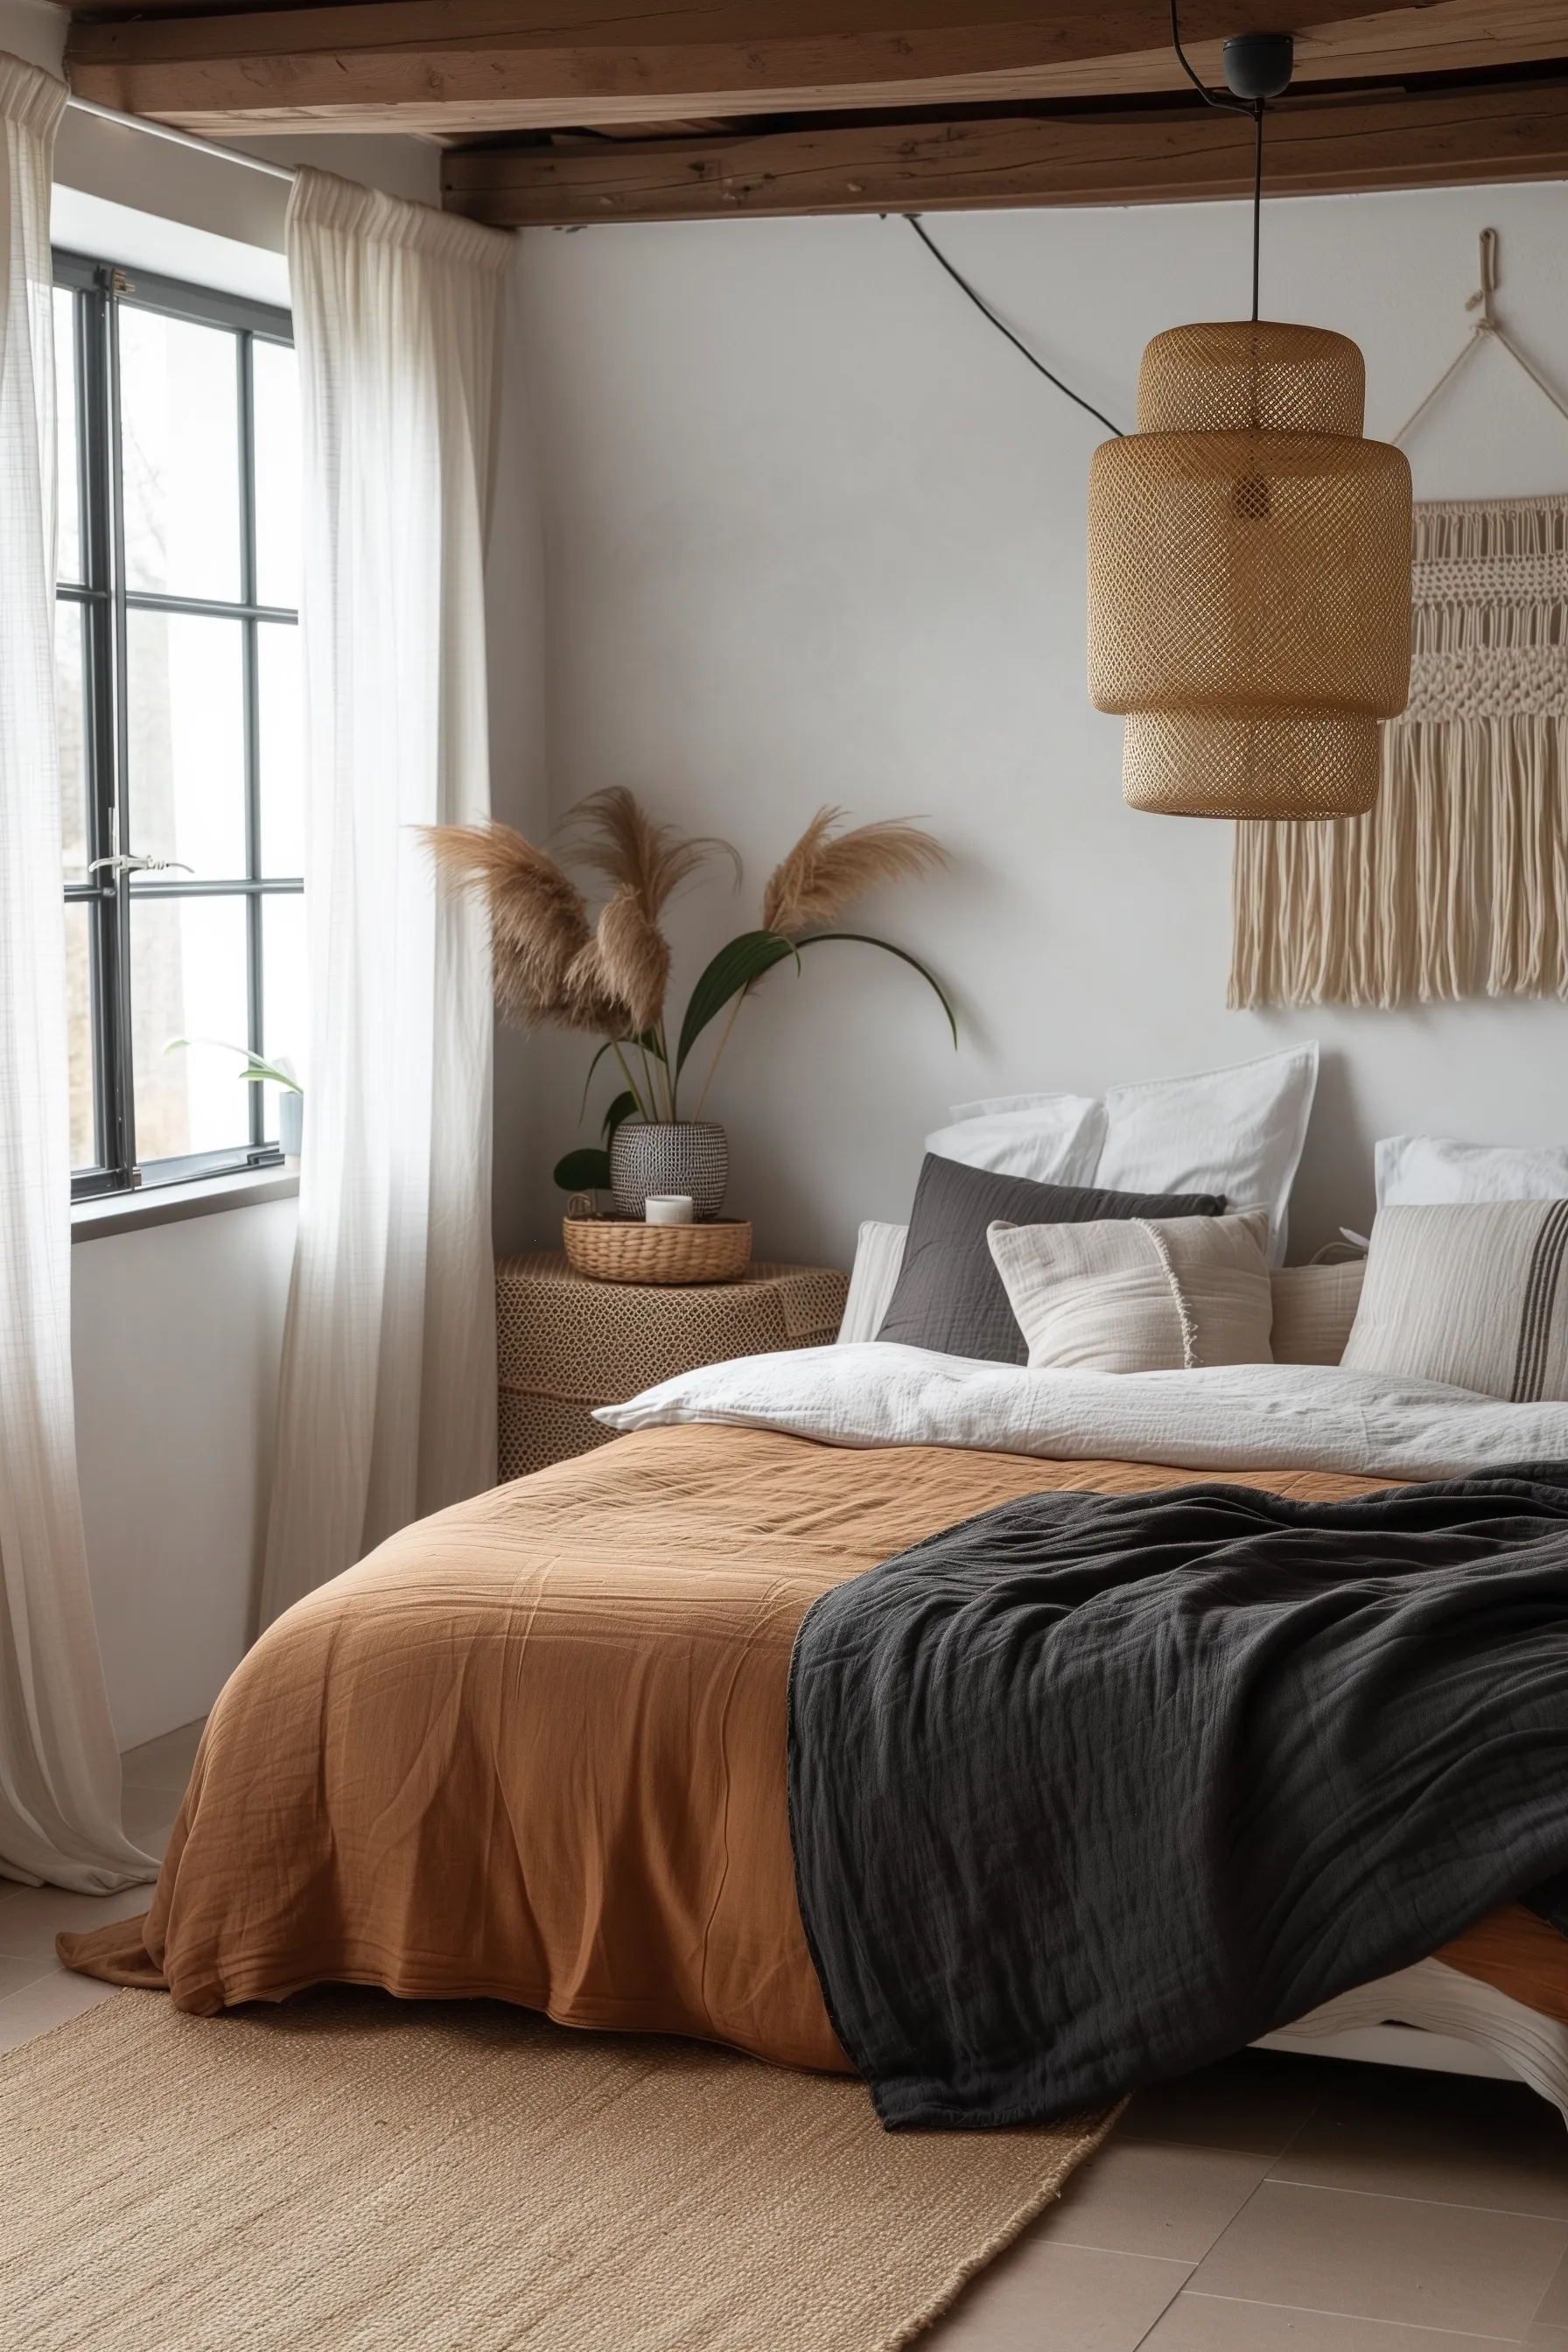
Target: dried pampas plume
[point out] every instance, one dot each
(826, 871)
(614, 835)
(633, 959)
(539, 931)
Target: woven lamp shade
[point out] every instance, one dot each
(1249, 577)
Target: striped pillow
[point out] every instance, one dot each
(1472, 1295)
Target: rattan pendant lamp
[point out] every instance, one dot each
(1249, 555)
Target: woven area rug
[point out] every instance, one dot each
(354, 2174)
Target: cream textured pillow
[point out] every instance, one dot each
(1314, 1308)
(1141, 1295)
(1472, 1294)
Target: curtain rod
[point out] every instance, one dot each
(184, 139)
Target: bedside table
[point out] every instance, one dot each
(565, 1344)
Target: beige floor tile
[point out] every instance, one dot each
(1445, 2136)
(14, 1974)
(1445, 2266)
(32, 1918)
(1258, 2100)
(46, 2002)
(1546, 2339)
(1044, 2297)
(1552, 2309)
(1140, 2198)
(1204, 2323)
(148, 1815)
(164, 1763)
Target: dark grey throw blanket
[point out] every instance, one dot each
(1095, 1789)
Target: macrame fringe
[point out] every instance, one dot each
(1457, 882)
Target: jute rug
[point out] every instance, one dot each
(353, 2174)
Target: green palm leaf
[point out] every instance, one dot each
(584, 1171)
(864, 939)
(735, 967)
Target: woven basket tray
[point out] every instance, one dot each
(623, 1249)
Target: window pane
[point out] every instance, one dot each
(276, 384)
(179, 402)
(285, 995)
(78, 1034)
(68, 564)
(71, 698)
(282, 740)
(188, 980)
(186, 693)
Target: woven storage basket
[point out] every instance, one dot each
(566, 1344)
(625, 1249)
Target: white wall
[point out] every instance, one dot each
(816, 534)
(176, 1335)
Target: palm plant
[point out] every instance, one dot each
(555, 963)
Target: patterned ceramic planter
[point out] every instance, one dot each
(691, 1156)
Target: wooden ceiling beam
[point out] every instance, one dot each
(451, 67)
(1316, 146)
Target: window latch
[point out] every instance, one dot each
(123, 865)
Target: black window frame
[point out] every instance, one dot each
(100, 288)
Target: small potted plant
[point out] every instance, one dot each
(607, 976)
(256, 1072)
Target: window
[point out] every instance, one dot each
(177, 653)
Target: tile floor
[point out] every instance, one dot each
(1301, 2203)
(1270, 2202)
(36, 1993)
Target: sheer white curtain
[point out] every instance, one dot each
(388, 1406)
(59, 1773)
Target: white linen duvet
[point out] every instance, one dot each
(1235, 1417)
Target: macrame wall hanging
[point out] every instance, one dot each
(1455, 883)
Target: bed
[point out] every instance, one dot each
(534, 1748)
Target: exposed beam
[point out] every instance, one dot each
(1316, 146)
(451, 67)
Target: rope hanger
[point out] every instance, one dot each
(1487, 324)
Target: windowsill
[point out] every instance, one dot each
(170, 1204)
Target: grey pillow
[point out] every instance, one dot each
(949, 1296)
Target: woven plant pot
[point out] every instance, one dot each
(623, 1249)
(689, 1157)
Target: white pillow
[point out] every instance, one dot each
(1139, 1294)
(1050, 1139)
(879, 1255)
(1238, 1131)
(1425, 1171)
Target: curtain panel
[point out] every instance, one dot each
(59, 1771)
(387, 1407)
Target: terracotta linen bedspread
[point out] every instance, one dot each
(534, 1748)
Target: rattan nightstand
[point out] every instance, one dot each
(565, 1344)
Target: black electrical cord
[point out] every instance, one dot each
(1256, 200)
(1232, 106)
(1223, 106)
(1003, 328)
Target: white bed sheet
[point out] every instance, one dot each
(1241, 1416)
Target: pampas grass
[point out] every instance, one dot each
(827, 870)
(539, 931)
(555, 962)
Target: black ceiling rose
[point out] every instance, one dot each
(1258, 64)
